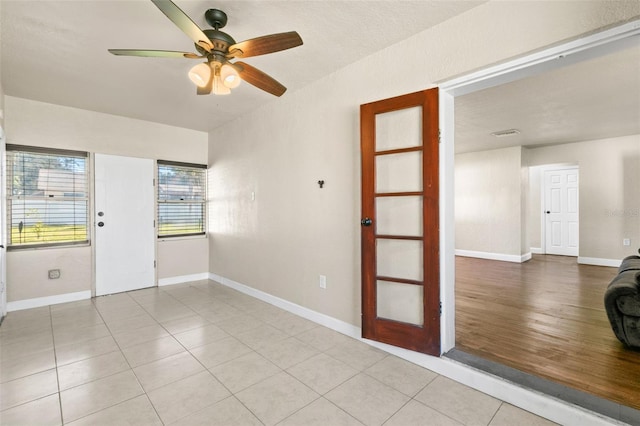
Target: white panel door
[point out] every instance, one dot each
(561, 211)
(124, 224)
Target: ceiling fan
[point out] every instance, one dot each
(218, 75)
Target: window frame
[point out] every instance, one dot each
(160, 202)
(12, 198)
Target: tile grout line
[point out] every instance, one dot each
(55, 364)
(231, 394)
(126, 360)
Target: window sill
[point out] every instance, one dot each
(48, 247)
(182, 238)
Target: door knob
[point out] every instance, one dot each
(100, 224)
(548, 212)
(366, 222)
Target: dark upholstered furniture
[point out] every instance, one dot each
(622, 302)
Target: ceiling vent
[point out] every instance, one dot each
(505, 133)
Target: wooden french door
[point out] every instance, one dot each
(400, 231)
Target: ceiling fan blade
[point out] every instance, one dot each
(154, 53)
(182, 21)
(265, 44)
(259, 79)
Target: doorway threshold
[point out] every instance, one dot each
(582, 399)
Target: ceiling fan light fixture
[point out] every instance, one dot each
(218, 47)
(230, 77)
(200, 74)
(218, 87)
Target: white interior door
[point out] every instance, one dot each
(124, 224)
(561, 211)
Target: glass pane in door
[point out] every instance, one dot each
(399, 259)
(399, 172)
(399, 129)
(399, 216)
(400, 302)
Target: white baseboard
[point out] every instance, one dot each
(38, 302)
(536, 250)
(532, 401)
(322, 319)
(599, 262)
(183, 279)
(494, 256)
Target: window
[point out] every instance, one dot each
(181, 199)
(47, 197)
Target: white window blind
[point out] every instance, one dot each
(47, 197)
(181, 199)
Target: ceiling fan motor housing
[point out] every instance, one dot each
(220, 41)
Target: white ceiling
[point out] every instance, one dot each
(56, 51)
(596, 98)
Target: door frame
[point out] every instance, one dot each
(591, 46)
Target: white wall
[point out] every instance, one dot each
(490, 204)
(609, 202)
(1, 88)
(3, 293)
(534, 224)
(609, 188)
(40, 124)
(294, 231)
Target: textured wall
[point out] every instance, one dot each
(488, 200)
(609, 188)
(70, 128)
(294, 231)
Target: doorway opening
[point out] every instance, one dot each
(503, 227)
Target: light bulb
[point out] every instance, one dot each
(200, 74)
(218, 87)
(230, 77)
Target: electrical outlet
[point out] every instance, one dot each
(322, 280)
(626, 242)
(54, 274)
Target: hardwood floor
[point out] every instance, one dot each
(545, 317)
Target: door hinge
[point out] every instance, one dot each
(440, 308)
(154, 223)
(154, 182)
(154, 263)
(439, 136)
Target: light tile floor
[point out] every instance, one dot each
(203, 354)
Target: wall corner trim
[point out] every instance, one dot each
(38, 302)
(183, 279)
